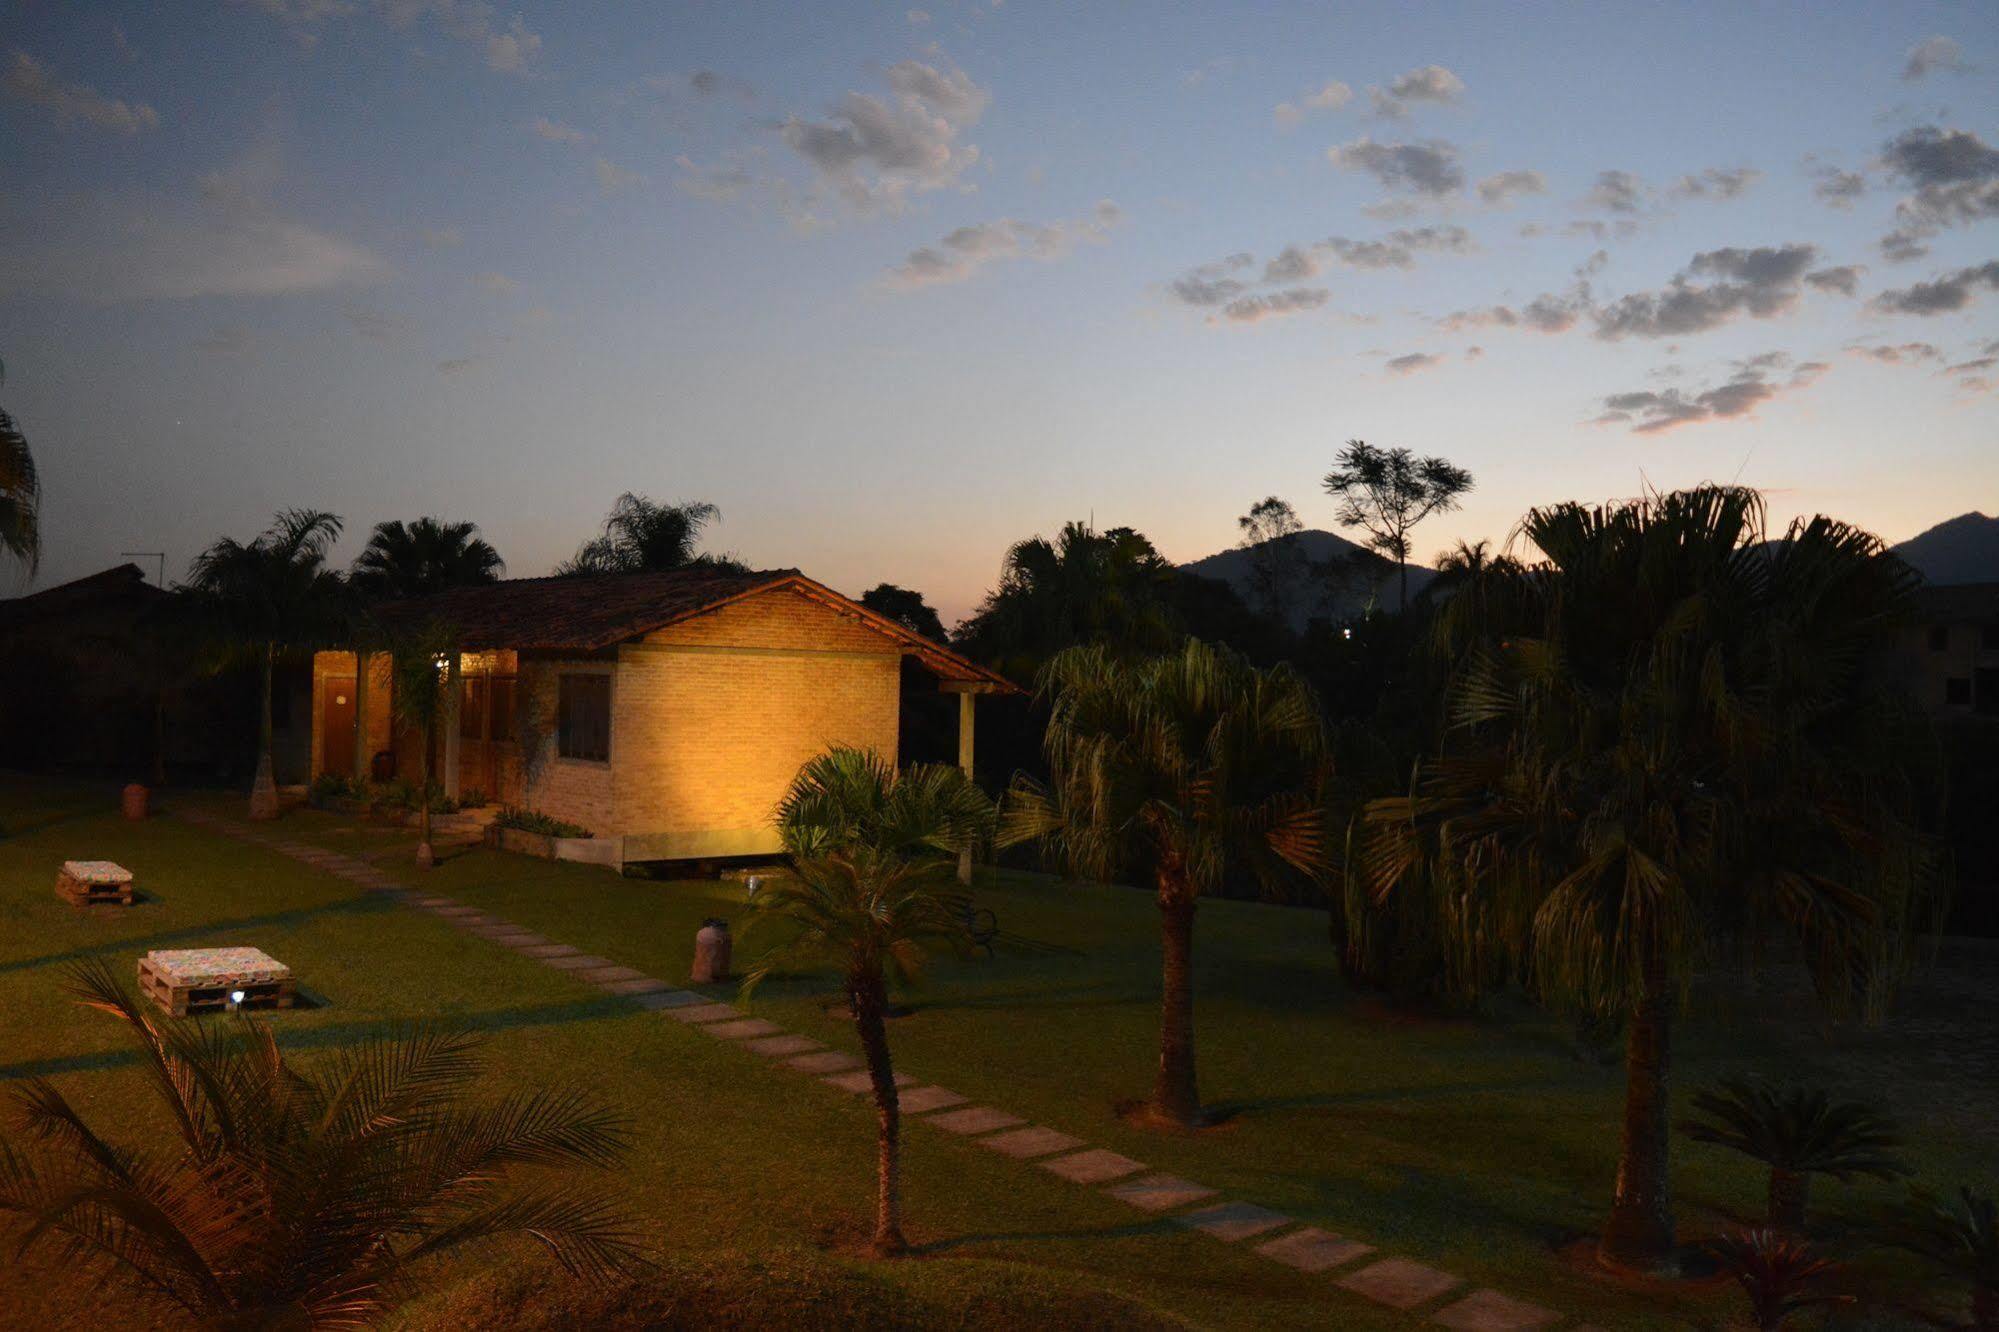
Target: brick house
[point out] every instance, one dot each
(665, 712)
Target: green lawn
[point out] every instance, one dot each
(1483, 1146)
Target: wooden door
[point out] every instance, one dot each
(336, 727)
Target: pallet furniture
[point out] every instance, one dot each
(199, 980)
(94, 883)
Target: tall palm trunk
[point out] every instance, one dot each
(1790, 1194)
(426, 855)
(1639, 1234)
(869, 998)
(264, 787)
(1175, 1095)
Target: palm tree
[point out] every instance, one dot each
(1959, 1234)
(305, 1194)
(1778, 1272)
(421, 673)
(876, 852)
(1798, 1132)
(1188, 767)
(642, 535)
(272, 593)
(1667, 743)
(427, 555)
(20, 493)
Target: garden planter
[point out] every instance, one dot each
(522, 843)
(133, 801)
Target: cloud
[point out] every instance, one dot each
(700, 85)
(1934, 55)
(1431, 83)
(461, 364)
(229, 340)
(1412, 362)
(1617, 192)
(1546, 313)
(443, 238)
(29, 80)
(1273, 305)
(1837, 188)
(1428, 168)
(1955, 174)
(875, 152)
(371, 324)
(226, 241)
(509, 48)
(544, 128)
(1944, 295)
(1844, 280)
(1213, 284)
(918, 17)
(1398, 248)
(1716, 183)
(1762, 282)
(497, 283)
(961, 254)
(723, 183)
(1498, 189)
(612, 178)
(1749, 386)
(1896, 355)
(1329, 96)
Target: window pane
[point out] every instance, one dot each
(583, 719)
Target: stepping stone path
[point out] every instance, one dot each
(1397, 1283)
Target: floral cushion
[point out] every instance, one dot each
(96, 871)
(202, 968)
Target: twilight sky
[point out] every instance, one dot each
(898, 286)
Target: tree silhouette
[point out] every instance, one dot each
(427, 555)
(20, 493)
(1387, 492)
(906, 608)
(641, 535)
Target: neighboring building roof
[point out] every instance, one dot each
(591, 612)
(117, 586)
(1959, 603)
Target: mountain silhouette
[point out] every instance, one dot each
(1964, 549)
(1354, 580)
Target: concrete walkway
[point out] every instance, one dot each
(1355, 1266)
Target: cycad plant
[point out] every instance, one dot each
(1959, 1233)
(304, 1194)
(1778, 1272)
(876, 852)
(1187, 768)
(1669, 745)
(1798, 1132)
(424, 673)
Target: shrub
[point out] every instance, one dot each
(534, 821)
(331, 786)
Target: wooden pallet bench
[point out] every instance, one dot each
(94, 883)
(184, 981)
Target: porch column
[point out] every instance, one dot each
(966, 701)
(361, 754)
(454, 687)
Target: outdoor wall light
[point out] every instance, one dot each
(235, 998)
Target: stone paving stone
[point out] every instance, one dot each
(578, 962)
(513, 938)
(826, 1061)
(1398, 1283)
(771, 1047)
(608, 973)
(1490, 1311)
(975, 1119)
(1232, 1221)
(1032, 1141)
(861, 1082)
(546, 951)
(1310, 1249)
(470, 918)
(495, 930)
(706, 1013)
(743, 1028)
(636, 985)
(922, 1100)
(666, 999)
(1160, 1193)
(1096, 1166)
(430, 902)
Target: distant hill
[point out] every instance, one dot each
(1336, 599)
(1964, 549)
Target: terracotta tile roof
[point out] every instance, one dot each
(599, 611)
